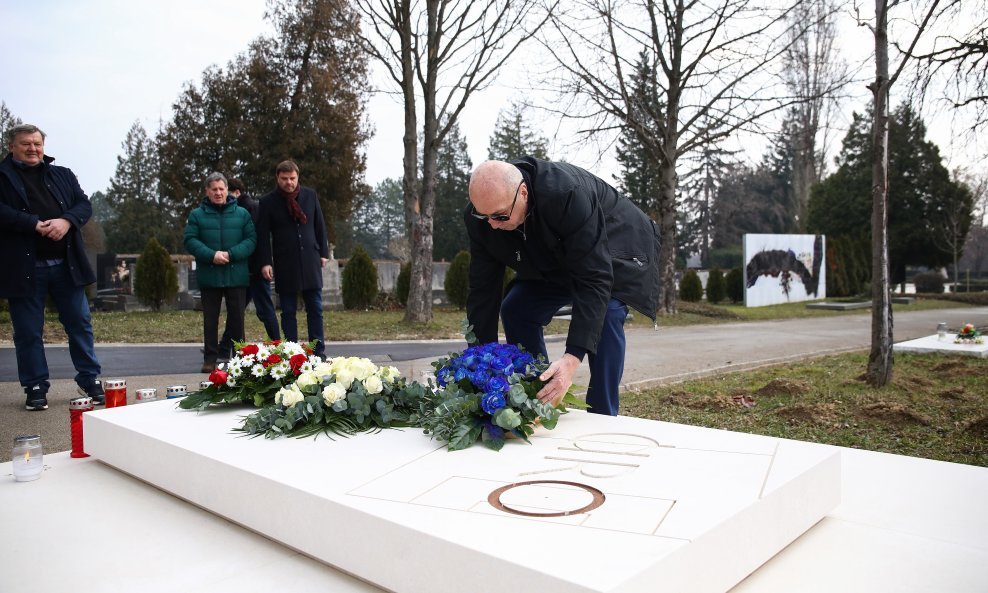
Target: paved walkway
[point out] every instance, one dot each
(654, 357)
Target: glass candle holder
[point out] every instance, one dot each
(146, 395)
(175, 391)
(941, 331)
(27, 458)
(116, 392)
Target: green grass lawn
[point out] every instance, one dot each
(936, 406)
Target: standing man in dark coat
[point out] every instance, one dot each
(42, 212)
(571, 239)
(259, 289)
(292, 249)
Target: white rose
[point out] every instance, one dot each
(344, 377)
(363, 368)
(289, 396)
(307, 380)
(333, 393)
(323, 369)
(373, 384)
(389, 374)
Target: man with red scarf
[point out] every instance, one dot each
(292, 250)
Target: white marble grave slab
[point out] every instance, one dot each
(932, 343)
(675, 507)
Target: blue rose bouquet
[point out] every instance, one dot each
(488, 392)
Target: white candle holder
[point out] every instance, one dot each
(27, 458)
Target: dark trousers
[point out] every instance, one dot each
(259, 291)
(313, 314)
(27, 316)
(212, 299)
(528, 308)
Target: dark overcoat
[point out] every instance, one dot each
(579, 234)
(17, 227)
(295, 250)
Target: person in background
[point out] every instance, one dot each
(259, 289)
(571, 239)
(221, 236)
(42, 212)
(292, 250)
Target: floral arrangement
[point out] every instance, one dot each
(969, 335)
(488, 393)
(255, 374)
(343, 395)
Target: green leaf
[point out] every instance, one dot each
(517, 394)
(507, 418)
(464, 436)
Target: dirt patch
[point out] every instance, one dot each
(894, 413)
(978, 426)
(954, 393)
(950, 365)
(784, 387)
(809, 414)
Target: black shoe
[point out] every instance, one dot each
(95, 391)
(208, 366)
(37, 398)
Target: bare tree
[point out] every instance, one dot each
(880, 358)
(715, 69)
(438, 52)
(814, 73)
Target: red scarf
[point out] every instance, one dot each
(293, 207)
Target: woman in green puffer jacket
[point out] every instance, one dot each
(220, 235)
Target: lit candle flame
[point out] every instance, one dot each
(27, 456)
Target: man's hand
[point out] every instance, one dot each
(323, 261)
(267, 272)
(558, 378)
(53, 229)
(221, 258)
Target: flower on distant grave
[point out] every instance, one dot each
(969, 335)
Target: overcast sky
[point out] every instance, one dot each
(85, 70)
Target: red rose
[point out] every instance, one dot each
(249, 349)
(273, 342)
(296, 362)
(273, 359)
(218, 377)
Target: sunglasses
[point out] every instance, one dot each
(498, 217)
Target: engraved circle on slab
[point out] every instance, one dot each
(546, 498)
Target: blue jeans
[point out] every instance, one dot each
(259, 291)
(528, 308)
(313, 313)
(27, 315)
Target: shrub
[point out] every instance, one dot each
(734, 285)
(403, 283)
(690, 288)
(457, 282)
(716, 286)
(929, 282)
(155, 279)
(726, 257)
(359, 282)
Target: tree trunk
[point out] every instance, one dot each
(880, 359)
(667, 223)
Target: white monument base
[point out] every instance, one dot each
(671, 507)
(929, 344)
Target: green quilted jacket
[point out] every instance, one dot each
(214, 228)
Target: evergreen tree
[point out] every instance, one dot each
(453, 169)
(690, 288)
(359, 282)
(298, 94)
(698, 190)
(133, 204)
(7, 121)
(921, 193)
(734, 285)
(514, 136)
(378, 221)
(639, 179)
(155, 279)
(457, 282)
(716, 286)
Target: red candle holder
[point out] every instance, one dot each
(77, 407)
(116, 392)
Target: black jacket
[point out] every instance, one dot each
(580, 234)
(295, 250)
(17, 227)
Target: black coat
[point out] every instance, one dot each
(295, 250)
(580, 234)
(17, 227)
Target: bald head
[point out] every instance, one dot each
(493, 187)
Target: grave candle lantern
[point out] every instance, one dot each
(77, 407)
(116, 392)
(175, 391)
(27, 458)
